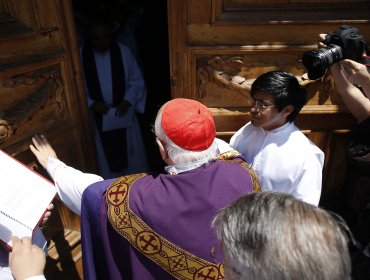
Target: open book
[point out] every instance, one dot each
(24, 198)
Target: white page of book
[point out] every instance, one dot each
(8, 228)
(25, 195)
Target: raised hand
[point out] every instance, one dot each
(42, 149)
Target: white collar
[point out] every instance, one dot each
(180, 168)
(276, 130)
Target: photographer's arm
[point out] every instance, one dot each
(358, 104)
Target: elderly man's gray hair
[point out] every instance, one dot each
(272, 235)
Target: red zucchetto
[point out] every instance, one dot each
(189, 124)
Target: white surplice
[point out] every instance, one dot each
(284, 159)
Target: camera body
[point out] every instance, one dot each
(346, 42)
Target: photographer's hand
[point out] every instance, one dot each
(355, 100)
(356, 73)
(322, 38)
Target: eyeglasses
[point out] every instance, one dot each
(260, 105)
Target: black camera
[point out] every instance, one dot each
(346, 42)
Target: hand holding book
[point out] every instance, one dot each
(26, 260)
(47, 214)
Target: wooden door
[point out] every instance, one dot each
(41, 91)
(218, 47)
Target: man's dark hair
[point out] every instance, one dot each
(285, 89)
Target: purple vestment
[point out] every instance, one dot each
(179, 208)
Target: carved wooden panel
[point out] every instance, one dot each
(224, 79)
(39, 102)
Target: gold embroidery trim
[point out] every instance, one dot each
(176, 261)
(230, 157)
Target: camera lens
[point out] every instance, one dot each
(317, 61)
(332, 54)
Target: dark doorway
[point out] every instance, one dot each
(141, 25)
(153, 47)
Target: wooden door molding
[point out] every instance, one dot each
(285, 12)
(177, 14)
